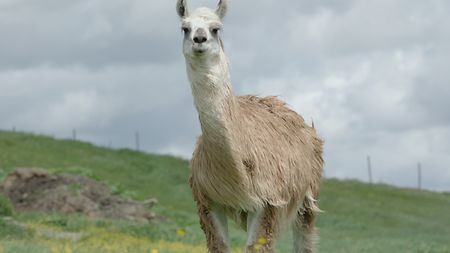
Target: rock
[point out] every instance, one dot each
(36, 190)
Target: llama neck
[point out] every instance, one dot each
(213, 98)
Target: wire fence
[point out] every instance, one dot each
(137, 147)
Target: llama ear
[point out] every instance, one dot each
(182, 8)
(222, 8)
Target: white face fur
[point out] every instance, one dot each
(201, 30)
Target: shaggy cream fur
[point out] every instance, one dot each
(256, 160)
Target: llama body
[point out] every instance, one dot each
(256, 161)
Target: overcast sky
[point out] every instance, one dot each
(374, 76)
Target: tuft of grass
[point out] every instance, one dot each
(6, 208)
(10, 231)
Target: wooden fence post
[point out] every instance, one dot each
(369, 169)
(137, 141)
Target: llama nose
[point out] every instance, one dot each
(199, 39)
(200, 36)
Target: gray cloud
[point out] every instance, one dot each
(372, 75)
(94, 34)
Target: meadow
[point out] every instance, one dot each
(357, 217)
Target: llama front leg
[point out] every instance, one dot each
(305, 235)
(215, 226)
(262, 228)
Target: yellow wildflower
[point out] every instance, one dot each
(181, 232)
(67, 249)
(257, 246)
(262, 240)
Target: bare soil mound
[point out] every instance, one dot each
(36, 190)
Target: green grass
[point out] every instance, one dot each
(6, 208)
(357, 217)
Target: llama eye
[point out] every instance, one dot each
(215, 30)
(185, 29)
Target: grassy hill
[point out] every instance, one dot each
(357, 218)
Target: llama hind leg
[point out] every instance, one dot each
(213, 222)
(262, 229)
(305, 235)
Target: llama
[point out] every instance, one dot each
(256, 162)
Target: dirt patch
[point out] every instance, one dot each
(36, 190)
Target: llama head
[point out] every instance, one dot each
(201, 30)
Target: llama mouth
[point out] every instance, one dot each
(198, 49)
